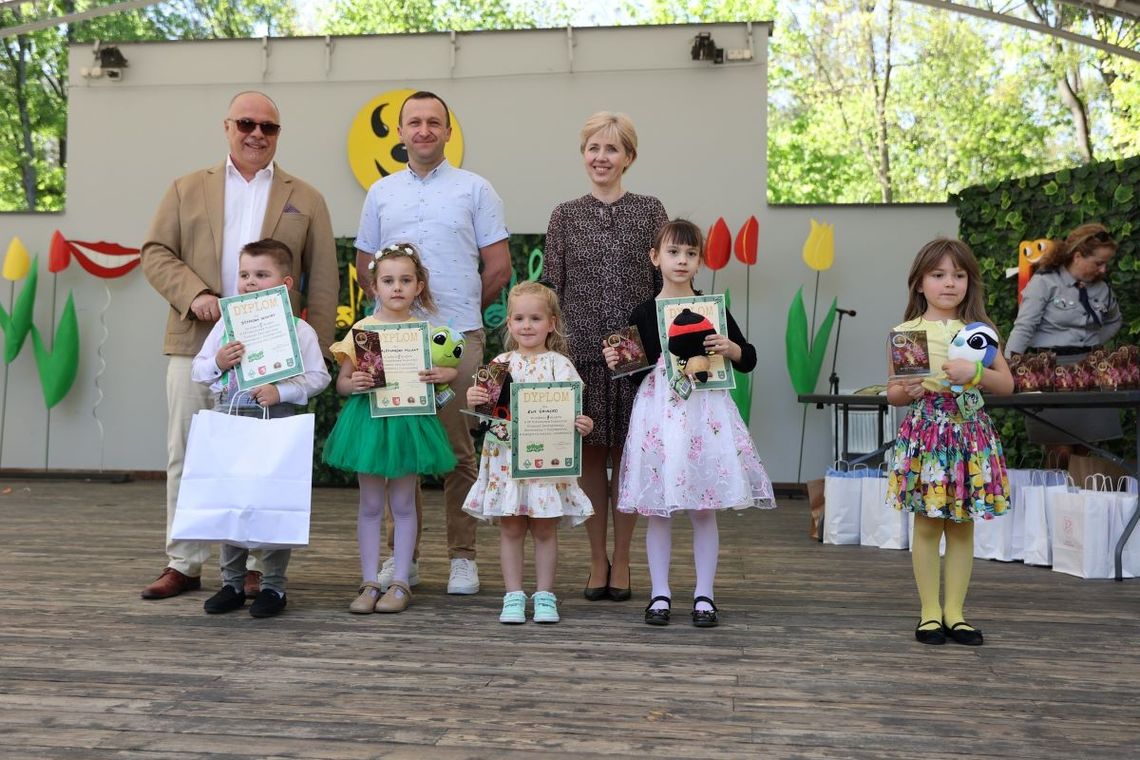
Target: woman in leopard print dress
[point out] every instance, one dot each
(597, 261)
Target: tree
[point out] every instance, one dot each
(33, 77)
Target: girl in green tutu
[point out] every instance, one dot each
(387, 453)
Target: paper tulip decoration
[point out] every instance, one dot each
(59, 366)
(747, 241)
(805, 358)
(819, 248)
(17, 262)
(17, 325)
(718, 246)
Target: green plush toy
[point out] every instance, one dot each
(446, 351)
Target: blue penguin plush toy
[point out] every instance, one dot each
(976, 342)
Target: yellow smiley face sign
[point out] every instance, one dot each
(374, 147)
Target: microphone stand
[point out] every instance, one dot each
(833, 383)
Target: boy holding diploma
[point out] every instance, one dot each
(263, 265)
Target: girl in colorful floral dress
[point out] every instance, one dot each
(948, 463)
(691, 455)
(536, 352)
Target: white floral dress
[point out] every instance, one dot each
(688, 454)
(495, 493)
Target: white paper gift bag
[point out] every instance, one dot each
(872, 507)
(1124, 505)
(842, 501)
(1081, 537)
(1001, 539)
(1040, 505)
(246, 481)
(892, 526)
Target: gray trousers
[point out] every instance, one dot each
(271, 562)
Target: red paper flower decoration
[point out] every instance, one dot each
(718, 245)
(746, 241)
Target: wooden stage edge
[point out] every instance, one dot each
(815, 656)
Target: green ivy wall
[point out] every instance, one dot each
(996, 217)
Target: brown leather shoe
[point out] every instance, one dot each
(171, 583)
(252, 583)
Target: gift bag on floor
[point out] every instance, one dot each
(1003, 539)
(872, 507)
(246, 481)
(1039, 506)
(1124, 506)
(1082, 530)
(842, 499)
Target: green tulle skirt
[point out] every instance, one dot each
(389, 447)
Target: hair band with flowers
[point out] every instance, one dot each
(402, 249)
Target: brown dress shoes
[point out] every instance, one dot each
(171, 583)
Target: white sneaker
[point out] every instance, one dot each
(464, 577)
(388, 571)
(545, 607)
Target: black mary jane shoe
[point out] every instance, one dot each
(935, 636)
(705, 618)
(658, 617)
(597, 593)
(963, 633)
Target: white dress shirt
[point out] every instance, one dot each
(244, 217)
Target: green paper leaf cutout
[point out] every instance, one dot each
(742, 393)
(805, 360)
(16, 327)
(59, 366)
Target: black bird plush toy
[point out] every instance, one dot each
(687, 335)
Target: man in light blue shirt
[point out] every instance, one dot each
(457, 220)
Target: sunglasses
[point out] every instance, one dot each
(246, 126)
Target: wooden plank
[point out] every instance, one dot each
(815, 657)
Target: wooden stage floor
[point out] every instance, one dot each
(815, 656)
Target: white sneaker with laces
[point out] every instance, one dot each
(464, 578)
(388, 571)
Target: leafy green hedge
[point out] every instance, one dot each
(526, 258)
(996, 217)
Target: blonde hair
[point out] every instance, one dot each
(406, 251)
(556, 339)
(973, 306)
(612, 125)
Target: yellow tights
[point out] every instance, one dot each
(927, 535)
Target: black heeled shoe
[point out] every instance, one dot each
(661, 616)
(619, 594)
(597, 593)
(705, 618)
(968, 636)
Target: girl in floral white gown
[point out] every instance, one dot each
(536, 353)
(690, 455)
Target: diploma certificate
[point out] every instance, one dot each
(263, 322)
(712, 308)
(544, 441)
(406, 353)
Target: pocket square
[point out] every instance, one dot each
(291, 209)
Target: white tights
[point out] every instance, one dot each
(401, 493)
(706, 547)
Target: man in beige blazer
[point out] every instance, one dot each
(191, 258)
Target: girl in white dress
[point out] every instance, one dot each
(692, 454)
(536, 349)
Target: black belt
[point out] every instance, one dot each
(1063, 350)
